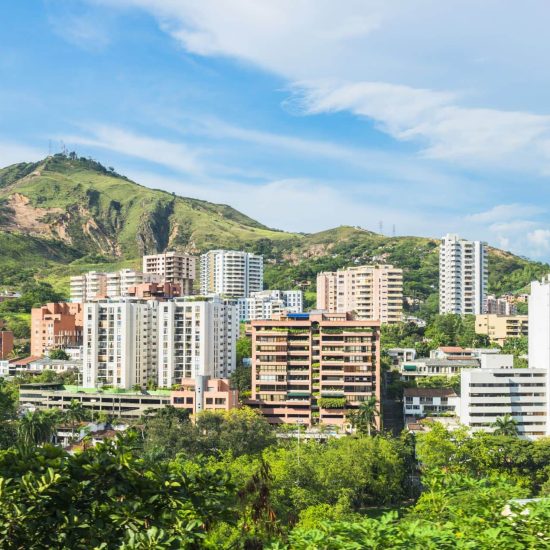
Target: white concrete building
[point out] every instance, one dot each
(462, 276)
(196, 338)
(488, 394)
(420, 402)
(372, 292)
(119, 282)
(231, 273)
(173, 267)
(120, 343)
(265, 304)
(88, 287)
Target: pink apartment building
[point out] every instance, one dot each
(204, 394)
(314, 368)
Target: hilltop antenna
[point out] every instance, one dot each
(63, 149)
(49, 147)
(393, 230)
(380, 227)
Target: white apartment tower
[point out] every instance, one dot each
(372, 292)
(119, 282)
(231, 273)
(462, 276)
(88, 287)
(120, 343)
(265, 304)
(196, 338)
(173, 267)
(539, 324)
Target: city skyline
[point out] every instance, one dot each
(257, 109)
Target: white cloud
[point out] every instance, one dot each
(11, 153)
(539, 239)
(392, 62)
(503, 213)
(159, 151)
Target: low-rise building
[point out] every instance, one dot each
(411, 370)
(205, 394)
(113, 402)
(55, 325)
(400, 355)
(56, 365)
(499, 328)
(488, 394)
(421, 402)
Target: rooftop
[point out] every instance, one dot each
(429, 392)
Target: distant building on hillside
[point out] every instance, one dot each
(500, 328)
(499, 306)
(6, 343)
(173, 267)
(231, 273)
(462, 276)
(266, 303)
(370, 292)
(55, 325)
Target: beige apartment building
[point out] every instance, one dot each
(500, 328)
(371, 292)
(173, 267)
(205, 394)
(314, 368)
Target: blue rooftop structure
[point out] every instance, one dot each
(297, 316)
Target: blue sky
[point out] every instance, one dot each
(305, 114)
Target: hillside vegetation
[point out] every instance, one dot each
(65, 215)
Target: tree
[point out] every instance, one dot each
(363, 419)
(59, 354)
(36, 428)
(244, 349)
(74, 414)
(108, 497)
(505, 425)
(241, 379)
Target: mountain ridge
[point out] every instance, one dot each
(65, 214)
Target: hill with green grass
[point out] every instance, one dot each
(65, 215)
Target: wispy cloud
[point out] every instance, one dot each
(11, 153)
(171, 154)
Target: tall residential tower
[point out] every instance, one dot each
(462, 276)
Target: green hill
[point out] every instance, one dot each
(65, 215)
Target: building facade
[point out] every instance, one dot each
(120, 343)
(499, 306)
(500, 328)
(265, 304)
(196, 338)
(370, 292)
(488, 394)
(420, 402)
(55, 325)
(539, 324)
(88, 286)
(120, 282)
(462, 276)
(231, 273)
(173, 267)
(314, 368)
(205, 394)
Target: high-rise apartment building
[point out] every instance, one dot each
(120, 282)
(120, 343)
(173, 267)
(132, 342)
(499, 306)
(55, 325)
(265, 304)
(371, 292)
(314, 367)
(462, 276)
(231, 273)
(196, 338)
(88, 287)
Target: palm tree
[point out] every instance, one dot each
(74, 414)
(364, 417)
(505, 425)
(36, 428)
